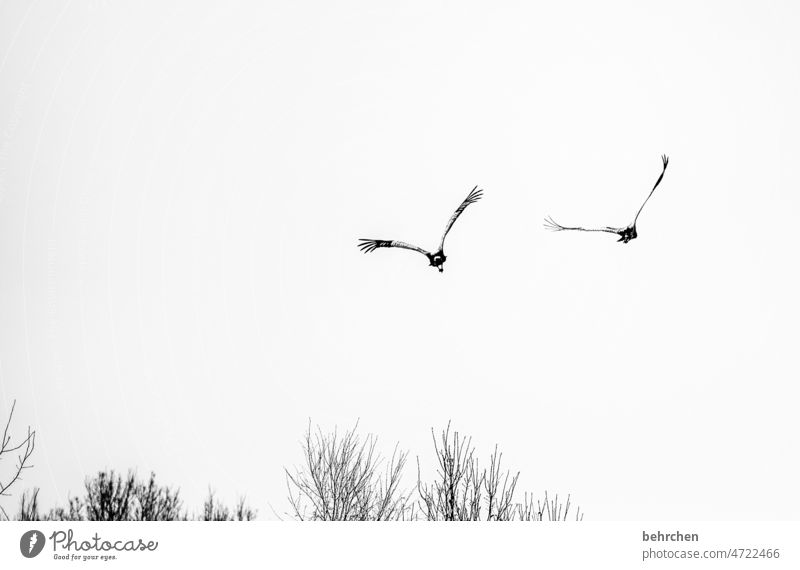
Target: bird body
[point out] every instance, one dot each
(625, 234)
(437, 258)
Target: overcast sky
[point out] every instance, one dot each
(182, 186)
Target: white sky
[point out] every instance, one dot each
(182, 189)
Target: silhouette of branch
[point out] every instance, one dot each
(455, 494)
(29, 506)
(343, 478)
(25, 447)
(462, 491)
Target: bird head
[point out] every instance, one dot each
(437, 260)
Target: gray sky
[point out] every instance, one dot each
(182, 188)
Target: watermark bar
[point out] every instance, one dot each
(404, 545)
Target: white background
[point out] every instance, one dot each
(182, 186)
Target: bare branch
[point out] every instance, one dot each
(25, 451)
(344, 477)
(462, 491)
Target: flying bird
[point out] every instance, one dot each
(436, 259)
(625, 234)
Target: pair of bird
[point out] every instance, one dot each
(438, 258)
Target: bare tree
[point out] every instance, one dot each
(462, 491)
(29, 509)
(499, 488)
(546, 509)
(242, 512)
(455, 495)
(156, 503)
(214, 510)
(113, 497)
(74, 511)
(24, 450)
(344, 478)
(109, 496)
(29, 506)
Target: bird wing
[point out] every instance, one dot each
(368, 245)
(554, 226)
(665, 161)
(473, 197)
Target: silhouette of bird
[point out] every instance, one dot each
(436, 259)
(625, 234)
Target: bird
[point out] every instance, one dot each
(625, 234)
(436, 259)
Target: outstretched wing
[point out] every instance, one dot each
(473, 197)
(368, 245)
(665, 161)
(554, 226)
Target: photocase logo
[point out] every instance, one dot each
(31, 543)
